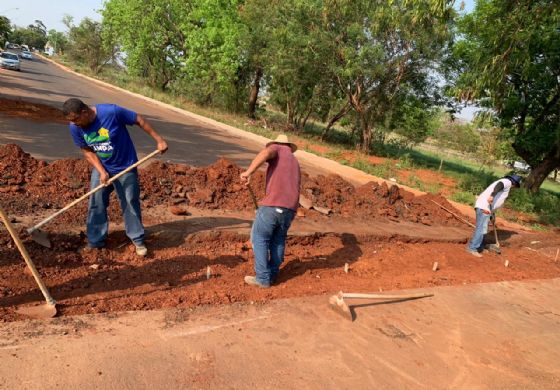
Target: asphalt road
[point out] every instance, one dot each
(190, 140)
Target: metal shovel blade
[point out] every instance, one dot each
(494, 248)
(41, 238)
(38, 312)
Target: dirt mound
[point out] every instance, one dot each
(33, 185)
(216, 186)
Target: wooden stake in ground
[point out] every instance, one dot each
(557, 252)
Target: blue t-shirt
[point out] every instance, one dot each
(108, 137)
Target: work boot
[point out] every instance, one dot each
(252, 281)
(474, 253)
(141, 250)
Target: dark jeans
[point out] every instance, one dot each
(482, 219)
(268, 237)
(128, 192)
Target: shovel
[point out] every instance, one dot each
(42, 238)
(253, 197)
(496, 246)
(49, 309)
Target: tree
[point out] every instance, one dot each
(58, 40)
(253, 42)
(151, 33)
(213, 57)
(34, 35)
(86, 45)
(5, 30)
(384, 51)
(508, 60)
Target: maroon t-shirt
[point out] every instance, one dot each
(282, 179)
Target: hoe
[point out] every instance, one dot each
(49, 309)
(337, 303)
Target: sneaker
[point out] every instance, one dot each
(474, 253)
(141, 250)
(252, 281)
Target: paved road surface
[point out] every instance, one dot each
(190, 140)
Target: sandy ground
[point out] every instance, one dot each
(485, 336)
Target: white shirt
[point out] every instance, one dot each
(499, 199)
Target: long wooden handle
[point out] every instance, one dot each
(75, 202)
(253, 197)
(384, 296)
(455, 215)
(26, 257)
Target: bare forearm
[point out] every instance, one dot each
(92, 158)
(147, 127)
(263, 156)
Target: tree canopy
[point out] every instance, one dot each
(508, 60)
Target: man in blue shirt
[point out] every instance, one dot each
(100, 132)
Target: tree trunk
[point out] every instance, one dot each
(366, 134)
(254, 94)
(290, 115)
(339, 115)
(540, 172)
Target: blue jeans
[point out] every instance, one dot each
(480, 230)
(268, 237)
(128, 192)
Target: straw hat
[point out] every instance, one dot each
(282, 139)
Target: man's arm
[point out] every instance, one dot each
(263, 156)
(92, 158)
(497, 188)
(161, 144)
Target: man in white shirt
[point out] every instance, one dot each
(491, 199)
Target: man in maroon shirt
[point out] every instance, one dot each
(276, 211)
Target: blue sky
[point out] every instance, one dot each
(50, 12)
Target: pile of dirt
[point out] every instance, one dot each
(218, 187)
(30, 185)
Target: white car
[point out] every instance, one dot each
(521, 166)
(26, 55)
(9, 61)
